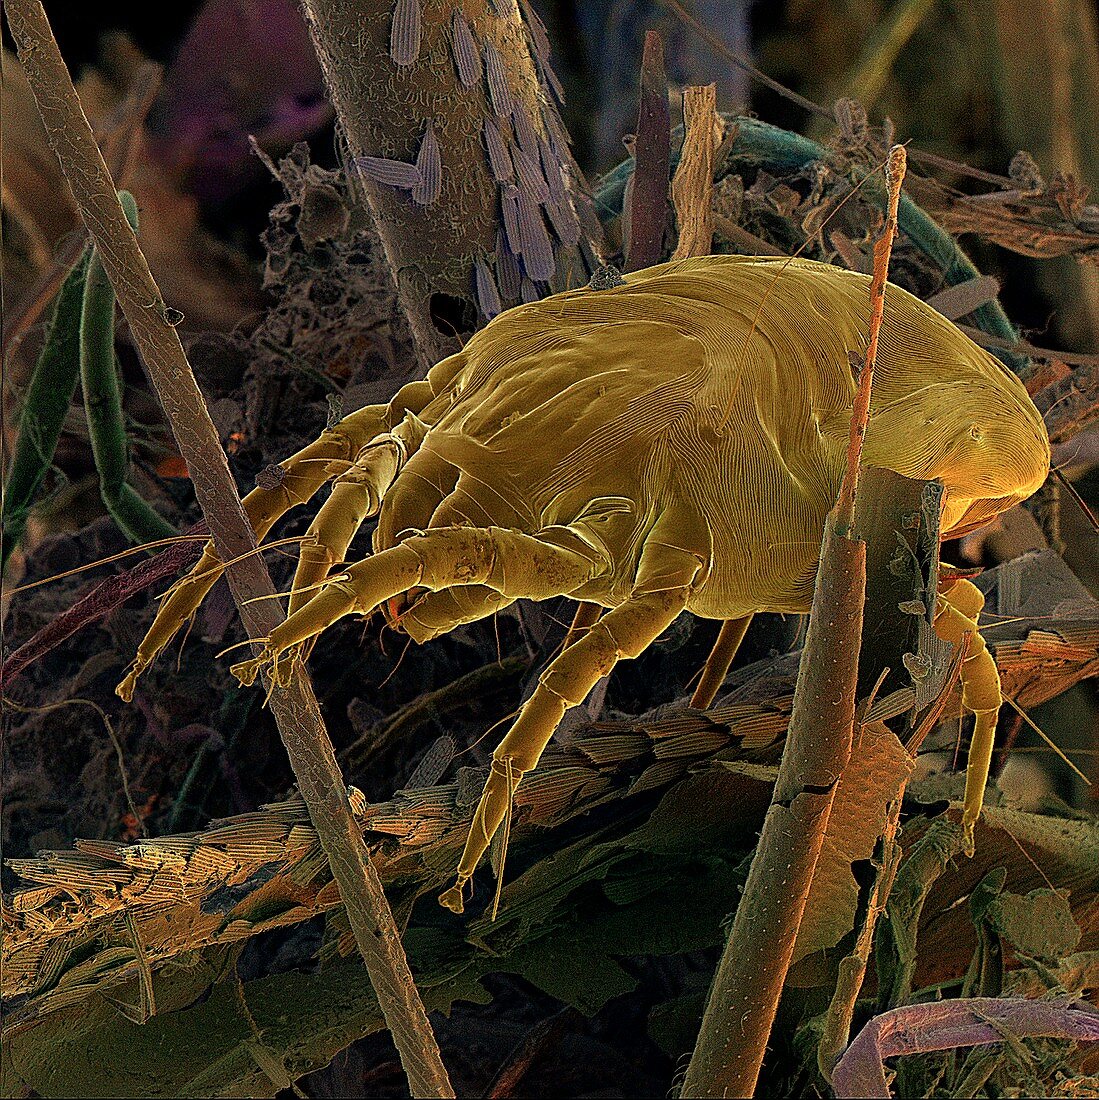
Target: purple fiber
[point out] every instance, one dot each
(498, 157)
(429, 165)
(404, 34)
(529, 292)
(537, 251)
(99, 598)
(648, 208)
(945, 1025)
(498, 91)
(392, 173)
(467, 57)
(508, 274)
(488, 296)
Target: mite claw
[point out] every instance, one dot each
(280, 665)
(284, 665)
(452, 899)
(125, 689)
(247, 671)
(968, 844)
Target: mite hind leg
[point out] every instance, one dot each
(720, 659)
(626, 631)
(663, 587)
(956, 617)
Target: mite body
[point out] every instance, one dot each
(674, 442)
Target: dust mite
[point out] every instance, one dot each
(670, 443)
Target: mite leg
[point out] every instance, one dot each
(717, 664)
(665, 575)
(305, 472)
(627, 631)
(413, 499)
(426, 615)
(956, 616)
(517, 565)
(302, 475)
(587, 615)
(356, 496)
(964, 596)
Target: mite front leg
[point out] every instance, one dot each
(517, 565)
(357, 495)
(303, 474)
(956, 617)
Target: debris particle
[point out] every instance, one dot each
(271, 476)
(606, 277)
